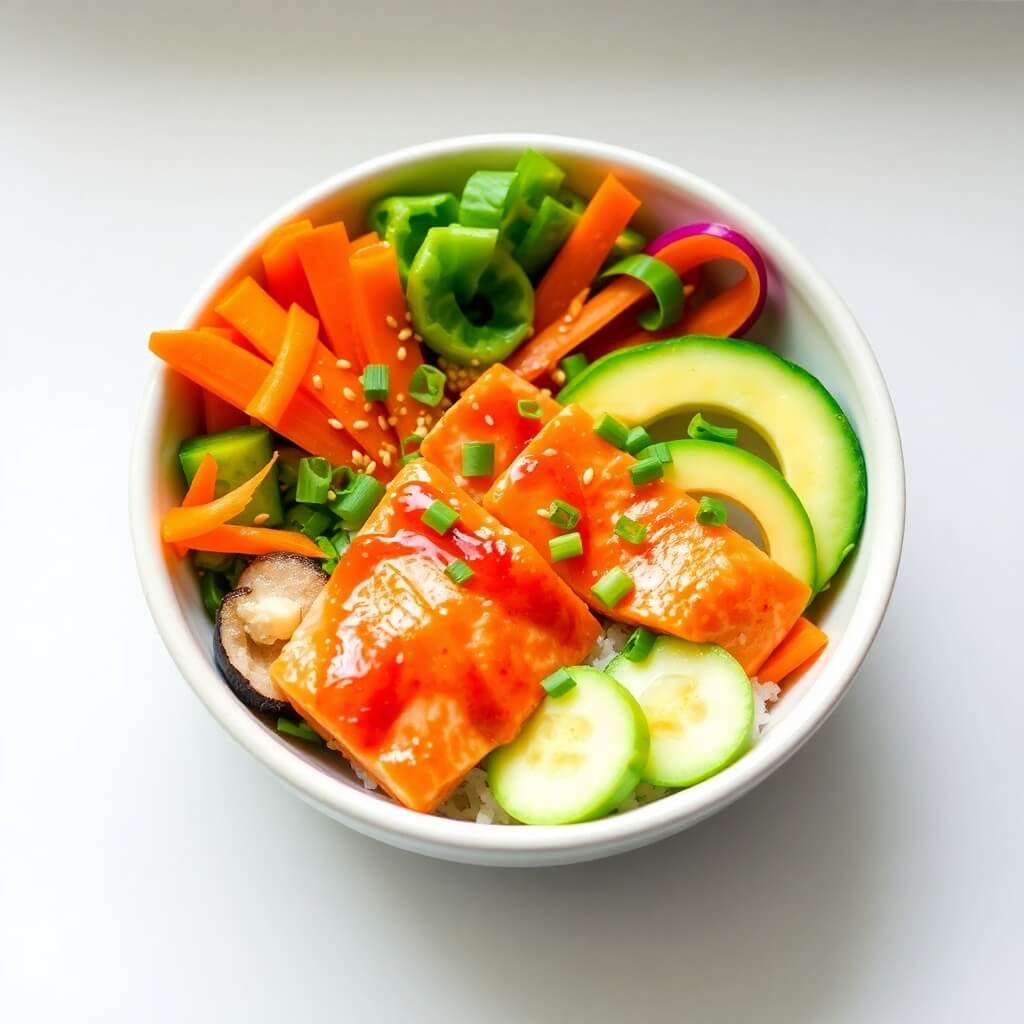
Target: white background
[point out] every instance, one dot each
(152, 872)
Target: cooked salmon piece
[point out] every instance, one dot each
(488, 412)
(702, 583)
(417, 677)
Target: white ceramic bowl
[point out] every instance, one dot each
(805, 321)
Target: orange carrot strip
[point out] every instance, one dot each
(235, 375)
(370, 238)
(279, 386)
(186, 522)
(798, 646)
(218, 415)
(202, 488)
(249, 308)
(282, 231)
(254, 540)
(609, 211)
(286, 280)
(384, 333)
(324, 254)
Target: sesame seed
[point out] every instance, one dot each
(349, 394)
(318, 382)
(367, 406)
(542, 512)
(360, 425)
(408, 317)
(588, 475)
(577, 304)
(474, 361)
(399, 657)
(568, 318)
(385, 458)
(261, 518)
(390, 321)
(371, 466)
(343, 364)
(383, 422)
(489, 420)
(403, 410)
(546, 392)
(416, 337)
(391, 421)
(558, 376)
(400, 397)
(405, 334)
(401, 353)
(331, 494)
(335, 424)
(475, 406)
(562, 329)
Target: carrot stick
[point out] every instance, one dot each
(254, 540)
(249, 308)
(384, 333)
(279, 386)
(202, 488)
(609, 211)
(797, 647)
(370, 238)
(218, 415)
(324, 254)
(286, 280)
(186, 522)
(235, 375)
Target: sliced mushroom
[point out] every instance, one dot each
(257, 619)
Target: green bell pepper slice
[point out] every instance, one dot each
(469, 299)
(536, 177)
(485, 197)
(405, 220)
(546, 234)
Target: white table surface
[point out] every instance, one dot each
(151, 871)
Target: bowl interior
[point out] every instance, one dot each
(803, 321)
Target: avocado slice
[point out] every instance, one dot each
(817, 451)
(707, 467)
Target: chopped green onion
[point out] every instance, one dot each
(661, 453)
(612, 430)
(410, 443)
(298, 729)
(310, 520)
(562, 515)
(612, 587)
(439, 517)
(329, 566)
(701, 430)
(711, 512)
(340, 540)
(342, 477)
(664, 283)
(212, 561)
(459, 572)
(565, 545)
(313, 482)
(574, 365)
(637, 440)
(411, 457)
(211, 590)
(631, 530)
(354, 505)
(646, 470)
(427, 385)
(375, 382)
(529, 409)
(328, 548)
(639, 645)
(558, 683)
(478, 458)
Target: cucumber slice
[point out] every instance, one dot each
(578, 757)
(699, 706)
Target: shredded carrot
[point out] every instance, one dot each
(279, 386)
(574, 268)
(254, 540)
(798, 646)
(286, 280)
(202, 488)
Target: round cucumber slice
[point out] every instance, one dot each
(578, 757)
(707, 467)
(816, 448)
(699, 706)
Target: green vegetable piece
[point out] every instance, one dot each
(411, 457)
(288, 460)
(328, 548)
(411, 443)
(565, 545)
(354, 505)
(311, 520)
(628, 243)
(574, 365)
(612, 587)
(664, 283)
(529, 409)
(477, 458)
(212, 561)
(639, 645)
(439, 517)
(485, 197)
(459, 572)
(637, 440)
(646, 470)
(548, 232)
(712, 512)
(427, 386)
(314, 481)
(470, 301)
(558, 683)
(630, 530)
(702, 430)
(211, 591)
(405, 220)
(661, 453)
(612, 430)
(375, 382)
(340, 540)
(536, 177)
(299, 730)
(236, 570)
(562, 515)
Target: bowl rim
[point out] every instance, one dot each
(537, 844)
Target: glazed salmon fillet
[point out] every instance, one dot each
(416, 677)
(487, 412)
(702, 583)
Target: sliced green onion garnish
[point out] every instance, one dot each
(313, 481)
(340, 540)
(574, 365)
(664, 283)
(458, 571)
(310, 520)
(646, 470)
(661, 453)
(612, 430)
(328, 548)
(298, 729)
(411, 457)
(375, 382)
(427, 385)
(529, 409)
(563, 515)
(478, 458)
(354, 505)
(612, 587)
(565, 545)
(701, 430)
(639, 645)
(631, 530)
(439, 517)
(411, 443)
(711, 512)
(558, 683)
(329, 566)
(637, 440)
(342, 477)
